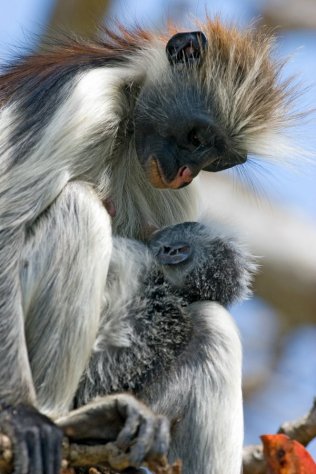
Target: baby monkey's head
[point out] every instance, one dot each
(202, 264)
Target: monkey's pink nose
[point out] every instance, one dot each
(156, 176)
(185, 175)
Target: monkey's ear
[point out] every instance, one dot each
(174, 253)
(186, 47)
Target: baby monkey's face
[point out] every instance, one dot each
(202, 263)
(180, 250)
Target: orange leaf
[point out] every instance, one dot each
(286, 456)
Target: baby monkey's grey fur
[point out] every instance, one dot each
(162, 339)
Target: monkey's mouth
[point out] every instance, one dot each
(157, 178)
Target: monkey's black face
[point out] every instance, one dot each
(173, 153)
(177, 132)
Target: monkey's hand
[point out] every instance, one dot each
(135, 431)
(36, 440)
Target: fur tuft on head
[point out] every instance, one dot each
(245, 83)
(241, 79)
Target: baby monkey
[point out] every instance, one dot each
(166, 338)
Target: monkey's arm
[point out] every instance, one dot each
(201, 395)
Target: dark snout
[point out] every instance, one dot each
(173, 155)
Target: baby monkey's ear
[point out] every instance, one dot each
(186, 47)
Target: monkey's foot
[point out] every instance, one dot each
(133, 432)
(36, 440)
(144, 435)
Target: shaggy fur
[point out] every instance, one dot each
(73, 113)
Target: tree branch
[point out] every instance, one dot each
(303, 429)
(80, 455)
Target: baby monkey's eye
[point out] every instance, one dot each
(194, 138)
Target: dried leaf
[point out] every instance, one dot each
(284, 455)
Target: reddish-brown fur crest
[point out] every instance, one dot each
(235, 61)
(245, 80)
(66, 51)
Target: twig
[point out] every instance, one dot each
(80, 455)
(302, 429)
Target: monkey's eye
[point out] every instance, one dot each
(193, 138)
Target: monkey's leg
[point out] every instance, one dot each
(63, 275)
(202, 395)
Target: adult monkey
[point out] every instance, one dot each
(128, 115)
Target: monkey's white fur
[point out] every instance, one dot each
(218, 447)
(51, 263)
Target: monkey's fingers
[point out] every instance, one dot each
(136, 438)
